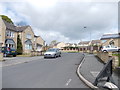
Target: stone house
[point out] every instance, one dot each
(38, 43)
(59, 45)
(2, 32)
(9, 33)
(95, 45)
(111, 39)
(27, 37)
(84, 46)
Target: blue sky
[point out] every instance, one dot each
(64, 21)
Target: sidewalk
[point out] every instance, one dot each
(17, 60)
(91, 68)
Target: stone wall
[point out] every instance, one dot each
(1, 56)
(104, 56)
(36, 53)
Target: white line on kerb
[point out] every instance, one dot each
(68, 82)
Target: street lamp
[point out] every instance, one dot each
(90, 37)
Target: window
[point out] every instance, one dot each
(34, 39)
(28, 46)
(9, 33)
(28, 36)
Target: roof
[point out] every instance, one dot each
(10, 26)
(109, 36)
(21, 28)
(56, 43)
(96, 41)
(84, 42)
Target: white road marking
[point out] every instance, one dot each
(68, 82)
(94, 73)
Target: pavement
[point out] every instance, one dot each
(8, 61)
(57, 72)
(91, 67)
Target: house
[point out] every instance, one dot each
(38, 43)
(2, 32)
(9, 33)
(71, 44)
(95, 45)
(27, 37)
(111, 39)
(84, 46)
(59, 45)
(70, 47)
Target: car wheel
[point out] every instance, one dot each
(44, 57)
(14, 55)
(60, 55)
(55, 56)
(105, 51)
(119, 50)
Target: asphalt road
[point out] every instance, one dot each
(44, 73)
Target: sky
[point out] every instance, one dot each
(64, 20)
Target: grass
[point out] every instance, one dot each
(23, 56)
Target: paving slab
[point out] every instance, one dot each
(91, 68)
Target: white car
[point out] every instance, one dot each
(110, 49)
(52, 52)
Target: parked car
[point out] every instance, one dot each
(8, 51)
(52, 52)
(110, 48)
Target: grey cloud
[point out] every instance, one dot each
(69, 18)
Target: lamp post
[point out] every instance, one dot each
(90, 38)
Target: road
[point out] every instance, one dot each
(44, 73)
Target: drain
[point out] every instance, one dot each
(76, 64)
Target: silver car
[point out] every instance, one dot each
(52, 52)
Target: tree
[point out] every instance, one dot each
(19, 46)
(6, 18)
(53, 43)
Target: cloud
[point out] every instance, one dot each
(65, 21)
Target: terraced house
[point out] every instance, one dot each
(9, 33)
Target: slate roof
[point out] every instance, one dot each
(96, 41)
(56, 43)
(21, 28)
(10, 26)
(109, 36)
(84, 42)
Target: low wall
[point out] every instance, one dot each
(104, 56)
(1, 56)
(36, 53)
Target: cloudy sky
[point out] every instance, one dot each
(64, 20)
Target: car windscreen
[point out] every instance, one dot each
(52, 50)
